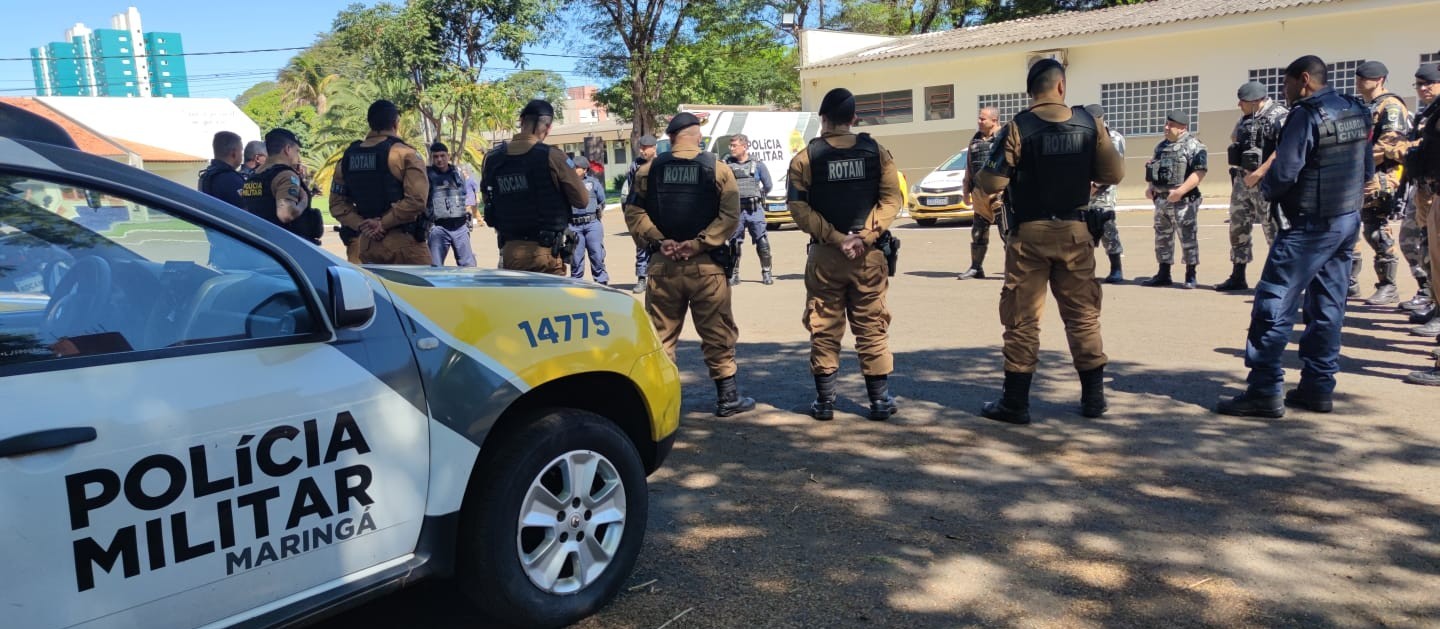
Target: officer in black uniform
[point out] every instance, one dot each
(529, 189)
(220, 179)
(277, 193)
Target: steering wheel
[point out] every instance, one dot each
(78, 302)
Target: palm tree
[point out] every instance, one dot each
(306, 81)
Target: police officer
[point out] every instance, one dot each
(986, 207)
(1180, 163)
(1102, 200)
(381, 192)
(1423, 167)
(450, 221)
(1414, 245)
(753, 179)
(1391, 121)
(684, 207)
(1252, 150)
(529, 189)
(277, 193)
(585, 223)
(844, 191)
(1049, 157)
(1318, 178)
(254, 157)
(220, 179)
(645, 153)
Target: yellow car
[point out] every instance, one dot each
(777, 212)
(941, 194)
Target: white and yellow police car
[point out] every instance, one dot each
(209, 422)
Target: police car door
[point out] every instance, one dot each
(184, 440)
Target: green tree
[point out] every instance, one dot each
(306, 80)
(638, 40)
(255, 90)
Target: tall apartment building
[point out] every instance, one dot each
(122, 60)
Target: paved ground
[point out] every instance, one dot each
(1161, 513)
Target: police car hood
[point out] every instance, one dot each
(942, 179)
(457, 277)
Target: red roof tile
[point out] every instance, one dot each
(85, 138)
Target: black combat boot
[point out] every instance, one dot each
(1013, 407)
(882, 404)
(1117, 274)
(1092, 392)
(823, 408)
(1386, 292)
(766, 261)
(1423, 314)
(1189, 277)
(1248, 404)
(1161, 278)
(727, 399)
(1421, 298)
(1309, 400)
(1236, 281)
(1428, 330)
(1354, 290)
(973, 273)
(977, 263)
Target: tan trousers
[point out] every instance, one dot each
(836, 289)
(352, 251)
(528, 255)
(1058, 253)
(1427, 215)
(701, 287)
(395, 248)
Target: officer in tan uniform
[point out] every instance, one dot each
(844, 190)
(276, 193)
(1051, 153)
(529, 190)
(381, 191)
(684, 207)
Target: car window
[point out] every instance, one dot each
(957, 162)
(83, 273)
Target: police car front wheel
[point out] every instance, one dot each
(554, 520)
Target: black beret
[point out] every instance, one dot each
(1372, 70)
(682, 120)
(1251, 91)
(647, 140)
(581, 162)
(834, 99)
(537, 107)
(281, 133)
(1095, 111)
(1429, 72)
(439, 147)
(1178, 116)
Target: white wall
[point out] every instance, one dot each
(185, 125)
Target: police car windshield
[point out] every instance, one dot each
(957, 162)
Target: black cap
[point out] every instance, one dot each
(647, 140)
(1251, 92)
(439, 147)
(1372, 70)
(537, 108)
(1178, 116)
(581, 162)
(1428, 72)
(1095, 111)
(276, 134)
(682, 120)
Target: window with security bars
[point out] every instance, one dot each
(884, 108)
(940, 102)
(1341, 77)
(1139, 107)
(1430, 57)
(1007, 104)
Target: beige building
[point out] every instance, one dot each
(919, 95)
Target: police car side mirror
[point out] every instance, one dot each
(352, 302)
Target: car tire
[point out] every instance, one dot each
(525, 465)
(926, 222)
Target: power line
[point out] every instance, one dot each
(178, 54)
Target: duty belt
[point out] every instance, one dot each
(581, 219)
(751, 204)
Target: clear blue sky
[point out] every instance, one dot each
(205, 27)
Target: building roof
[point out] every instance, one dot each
(85, 138)
(1058, 25)
(157, 154)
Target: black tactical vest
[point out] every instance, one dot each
(1057, 160)
(523, 200)
(368, 181)
(745, 178)
(845, 183)
(447, 193)
(207, 174)
(680, 195)
(1332, 182)
(1424, 160)
(259, 198)
(980, 150)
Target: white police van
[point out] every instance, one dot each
(209, 422)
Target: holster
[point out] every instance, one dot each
(889, 246)
(564, 247)
(348, 235)
(1095, 222)
(726, 256)
(419, 229)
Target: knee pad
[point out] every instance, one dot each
(762, 245)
